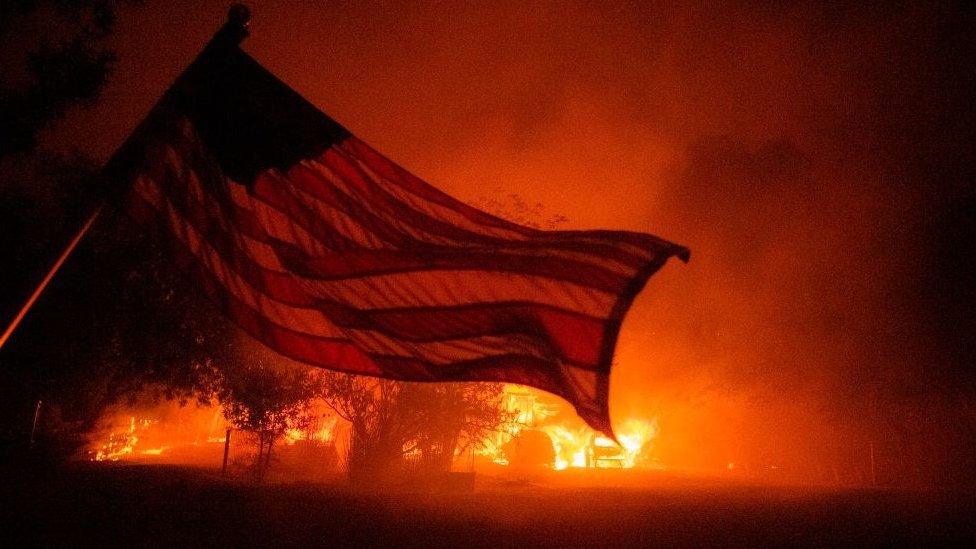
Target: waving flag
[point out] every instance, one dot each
(330, 254)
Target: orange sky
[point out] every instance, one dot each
(803, 153)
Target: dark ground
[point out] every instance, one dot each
(175, 507)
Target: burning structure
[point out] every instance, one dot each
(573, 443)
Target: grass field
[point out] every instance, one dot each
(176, 507)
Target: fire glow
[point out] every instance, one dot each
(118, 445)
(587, 448)
(155, 432)
(325, 433)
(162, 433)
(574, 446)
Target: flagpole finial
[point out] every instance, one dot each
(234, 30)
(239, 14)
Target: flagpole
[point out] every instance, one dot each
(50, 275)
(235, 29)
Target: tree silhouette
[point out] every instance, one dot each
(391, 420)
(67, 63)
(265, 399)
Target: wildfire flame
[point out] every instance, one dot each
(573, 445)
(173, 431)
(121, 444)
(155, 431)
(584, 447)
(170, 428)
(325, 433)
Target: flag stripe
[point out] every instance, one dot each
(576, 338)
(287, 195)
(636, 243)
(355, 178)
(396, 174)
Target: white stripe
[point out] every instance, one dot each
(402, 289)
(423, 203)
(309, 321)
(443, 288)
(276, 225)
(456, 218)
(272, 222)
(279, 225)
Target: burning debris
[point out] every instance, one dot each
(119, 444)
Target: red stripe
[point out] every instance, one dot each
(360, 263)
(277, 193)
(331, 353)
(279, 286)
(577, 338)
(591, 241)
(302, 216)
(372, 193)
(309, 182)
(371, 198)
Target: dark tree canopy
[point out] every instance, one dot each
(118, 318)
(66, 63)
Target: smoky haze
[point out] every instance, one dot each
(818, 161)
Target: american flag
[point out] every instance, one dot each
(329, 253)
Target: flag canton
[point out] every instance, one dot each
(250, 120)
